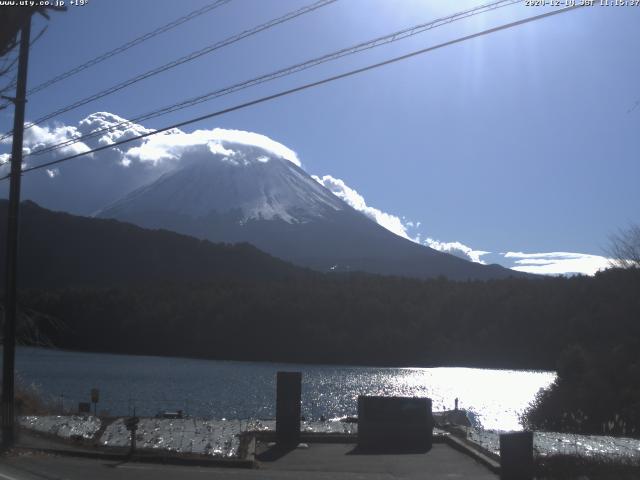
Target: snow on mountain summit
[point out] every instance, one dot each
(235, 173)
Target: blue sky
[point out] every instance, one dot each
(525, 140)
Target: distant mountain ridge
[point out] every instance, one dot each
(251, 195)
(62, 250)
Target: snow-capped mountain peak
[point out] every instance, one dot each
(223, 177)
(234, 186)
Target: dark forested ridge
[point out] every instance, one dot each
(118, 287)
(355, 318)
(58, 249)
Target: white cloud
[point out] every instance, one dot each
(550, 263)
(171, 145)
(118, 128)
(458, 249)
(85, 185)
(558, 263)
(354, 199)
(393, 223)
(38, 137)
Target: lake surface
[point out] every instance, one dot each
(242, 390)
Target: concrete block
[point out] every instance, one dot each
(516, 456)
(288, 401)
(395, 424)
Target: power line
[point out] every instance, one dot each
(126, 46)
(14, 80)
(376, 42)
(306, 86)
(187, 58)
(8, 65)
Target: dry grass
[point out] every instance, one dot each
(29, 401)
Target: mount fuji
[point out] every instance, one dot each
(234, 192)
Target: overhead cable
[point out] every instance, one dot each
(376, 42)
(187, 58)
(305, 87)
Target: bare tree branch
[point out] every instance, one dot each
(8, 65)
(30, 323)
(624, 248)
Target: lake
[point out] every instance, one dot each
(241, 390)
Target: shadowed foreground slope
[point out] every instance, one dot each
(58, 249)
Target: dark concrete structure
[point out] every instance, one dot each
(288, 401)
(388, 424)
(516, 456)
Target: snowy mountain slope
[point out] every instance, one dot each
(261, 186)
(237, 193)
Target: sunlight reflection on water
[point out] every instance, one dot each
(241, 390)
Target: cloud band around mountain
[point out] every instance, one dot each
(106, 176)
(558, 263)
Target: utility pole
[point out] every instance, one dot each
(10, 307)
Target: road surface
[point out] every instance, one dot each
(318, 462)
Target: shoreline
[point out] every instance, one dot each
(228, 439)
(270, 362)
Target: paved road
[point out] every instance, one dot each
(319, 462)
